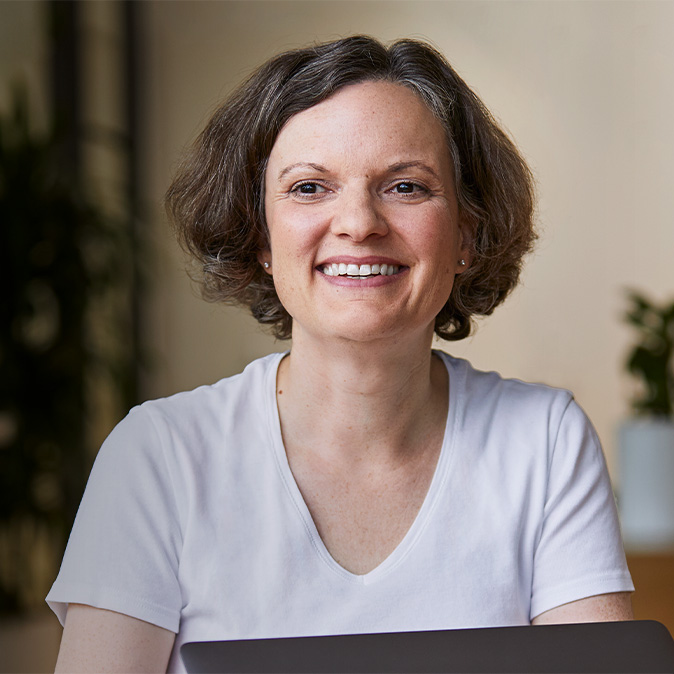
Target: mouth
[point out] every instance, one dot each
(360, 271)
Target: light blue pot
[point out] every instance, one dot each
(646, 494)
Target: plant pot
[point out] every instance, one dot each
(646, 496)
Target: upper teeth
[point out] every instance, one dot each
(342, 269)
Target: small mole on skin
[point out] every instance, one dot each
(280, 392)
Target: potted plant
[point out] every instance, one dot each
(646, 441)
(62, 265)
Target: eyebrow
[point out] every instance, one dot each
(404, 165)
(302, 164)
(398, 167)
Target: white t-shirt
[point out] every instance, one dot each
(192, 520)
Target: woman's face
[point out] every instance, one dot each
(364, 229)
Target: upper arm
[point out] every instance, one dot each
(124, 550)
(579, 551)
(96, 640)
(600, 608)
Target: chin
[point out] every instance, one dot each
(362, 330)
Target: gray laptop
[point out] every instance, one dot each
(637, 646)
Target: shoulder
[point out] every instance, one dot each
(533, 419)
(221, 402)
(251, 381)
(491, 391)
(190, 423)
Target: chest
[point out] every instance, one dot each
(363, 515)
(268, 574)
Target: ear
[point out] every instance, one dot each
(466, 244)
(264, 258)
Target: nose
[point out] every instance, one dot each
(358, 216)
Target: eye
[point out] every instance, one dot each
(307, 189)
(408, 187)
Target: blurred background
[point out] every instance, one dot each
(98, 100)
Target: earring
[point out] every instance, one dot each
(462, 262)
(266, 265)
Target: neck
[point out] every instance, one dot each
(353, 400)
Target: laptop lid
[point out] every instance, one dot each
(616, 647)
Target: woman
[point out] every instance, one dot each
(359, 199)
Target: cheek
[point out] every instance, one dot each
(294, 232)
(436, 240)
(286, 289)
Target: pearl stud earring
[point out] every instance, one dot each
(266, 265)
(462, 262)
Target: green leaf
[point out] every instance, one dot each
(650, 360)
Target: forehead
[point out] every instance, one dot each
(369, 120)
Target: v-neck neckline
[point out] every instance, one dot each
(423, 515)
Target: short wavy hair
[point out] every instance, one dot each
(216, 201)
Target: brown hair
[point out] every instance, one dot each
(216, 201)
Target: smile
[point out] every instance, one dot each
(356, 271)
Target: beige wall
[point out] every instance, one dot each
(587, 90)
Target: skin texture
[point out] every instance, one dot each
(600, 608)
(364, 177)
(95, 640)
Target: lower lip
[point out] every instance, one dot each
(367, 282)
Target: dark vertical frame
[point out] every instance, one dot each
(66, 102)
(65, 79)
(132, 77)
(67, 105)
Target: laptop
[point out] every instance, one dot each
(636, 646)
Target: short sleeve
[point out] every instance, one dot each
(124, 549)
(580, 551)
